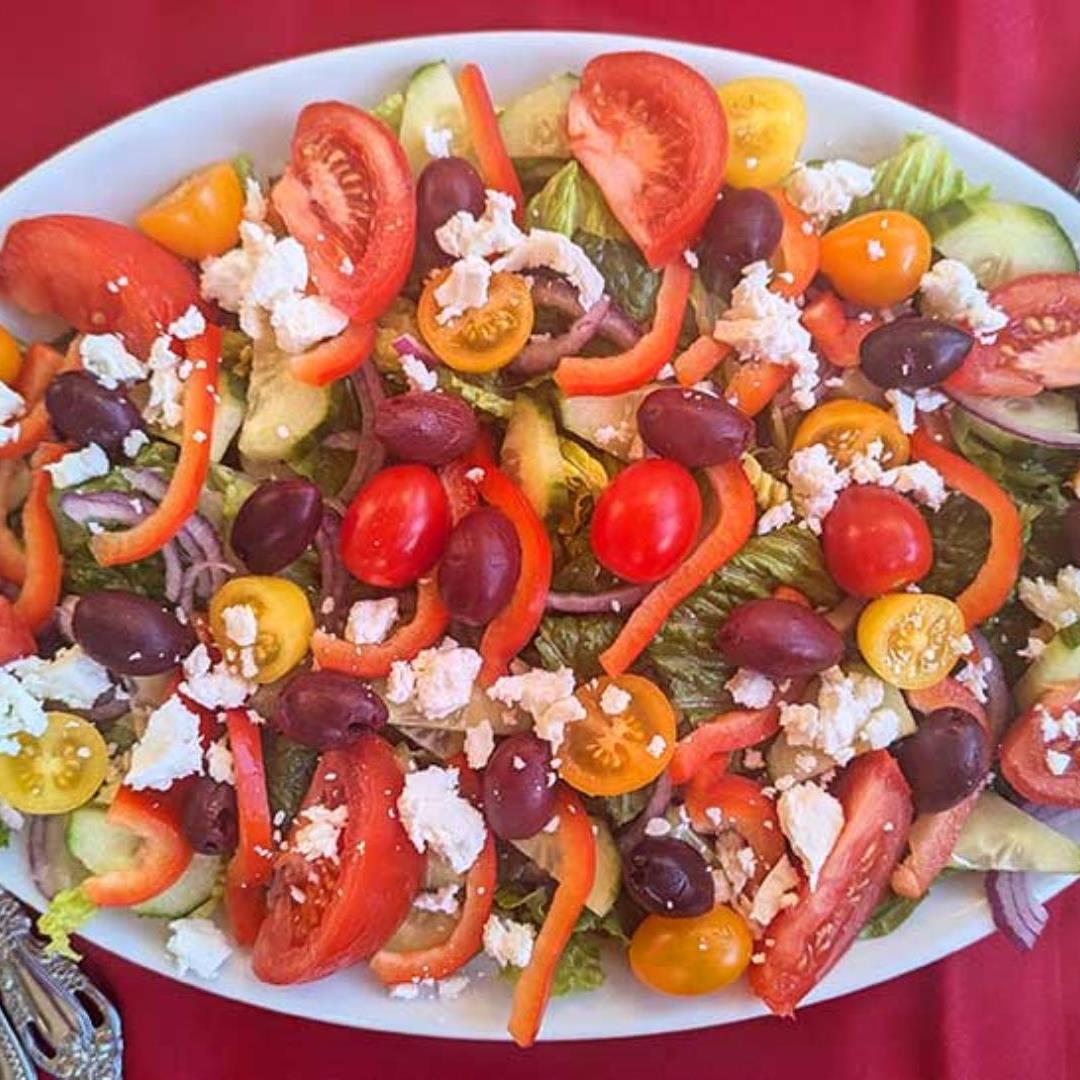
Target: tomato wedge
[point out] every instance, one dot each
(1040, 346)
(1024, 749)
(931, 840)
(326, 914)
(63, 264)
(810, 937)
(652, 133)
(347, 195)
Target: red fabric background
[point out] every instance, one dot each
(1005, 68)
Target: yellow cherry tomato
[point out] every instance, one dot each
(847, 427)
(485, 338)
(283, 625)
(614, 750)
(911, 640)
(766, 124)
(691, 956)
(199, 217)
(10, 358)
(876, 259)
(56, 771)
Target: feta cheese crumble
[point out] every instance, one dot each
(463, 235)
(465, 287)
(320, 832)
(20, 713)
(614, 700)
(106, 358)
(437, 141)
(547, 696)
(189, 325)
(656, 746)
(370, 621)
(12, 403)
(241, 624)
(479, 744)
(418, 375)
(974, 675)
(776, 517)
(949, 291)
(170, 749)
(776, 891)
(134, 441)
(213, 686)
(1055, 602)
(199, 946)
(827, 190)
(554, 251)
(811, 819)
(750, 688)
(508, 942)
(69, 678)
(442, 901)
(438, 682)
(78, 466)
(219, 763)
(435, 815)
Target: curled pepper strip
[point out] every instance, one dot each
(995, 579)
(336, 358)
(734, 524)
(836, 336)
(698, 359)
(735, 730)
(44, 567)
(755, 383)
(40, 365)
(495, 165)
(12, 556)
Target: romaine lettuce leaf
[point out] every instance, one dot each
(570, 201)
(630, 282)
(68, 911)
(891, 912)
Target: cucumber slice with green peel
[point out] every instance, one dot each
(1057, 664)
(1000, 836)
(999, 241)
(608, 423)
(228, 417)
(98, 844)
(432, 101)
(531, 456)
(534, 125)
(195, 886)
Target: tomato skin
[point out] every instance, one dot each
(646, 520)
(910, 640)
(396, 527)
(354, 905)
(1023, 753)
(10, 357)
(875, 541)
(660, 181)
(60, 264)
(810, 937)
(766, 124)
(848, 426)
(348, 196)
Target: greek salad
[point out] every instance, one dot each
(496, 538)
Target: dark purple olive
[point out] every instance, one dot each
(426, 426)
(480, 566)
(209, 817)
(665, 876)
(779, 638)
(130, 634)
(745, 225)
(1071, 533)
(911, 353)
(327, 710)
(445, 186)
(83, 411)
(277, 522)
(693, 428)
(519, 788)
(946, 759)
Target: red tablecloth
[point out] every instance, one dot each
(1005, 68)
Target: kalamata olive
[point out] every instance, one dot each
(665, 876)
(446, 185)
(209, 817)
(946, 759)
(693, 428)
(327, 709)
(519, 792)
(128, 633)
(480, 566)
(745, 225)
(277, 522)
(779, 638)
(425, 426)
(83, 411)
(911, 353)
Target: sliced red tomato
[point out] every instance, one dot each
(1040, 346)
(652, 133)
(809, 938)
(97, 275)
(931, 842)
(347, 195)
(1024, 750)
(742, 805)
(326, 914)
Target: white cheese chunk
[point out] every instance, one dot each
(106, 358)
(465, 288)
(437, 141)
(300, 322)
(493, 232)
(169, 750)
(949, 291)
(20, 713)
(750, 688)
(12, 404)
(811, 819)
(418, 375)
(319, 832)
(78, 466)
(70, 677)
(199, 946)
(219, 763)
(554, 251)
(370, 621)
(435, 815)
(509, 942)
(479, 744)
(827, 190)
(1055, 602)
(614, 700)
(778, 883)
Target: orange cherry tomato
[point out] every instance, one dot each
(201, 216)
(876, 259)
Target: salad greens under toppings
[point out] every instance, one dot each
(481, 560)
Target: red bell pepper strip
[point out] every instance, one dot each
(931, 840)
(250, 867)
(949, 693)
(577, 870)
(495, 165)
(799, 251)
(40, 592)
(836, 336)
(40, 364)
(755, 383)
(427, 626)
(12, 556)
(15, 637)
(160, 860)
(734, 524)
(152, 533)
(735, 730)
(698, 359)
(995, 579)
(607, 375)
(335, 358)
(742, 805)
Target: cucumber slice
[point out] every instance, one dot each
(1000, 836)
(1058, 663)
(282, 412)
(1000, 241)
(195, 886)
(432, 101)
(608, 423)
(98, 844)
(531, 456)
(534, 125)
(228, 416)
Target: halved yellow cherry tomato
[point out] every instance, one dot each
(691, 956)
(607, 754)
(284, 625)
(766, 124)
(911, 640)
(876, 259)
(10, 358)
(485, 338)
(847, 427)
(199, 217)
(56, 771)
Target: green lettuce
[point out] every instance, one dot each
(919, 178)
(630, 282)
(575, 641)
(480, 391)
(891, 912)
(961, 534)
(68, 912)
(5, 835)
(289, 768)
(570, 202)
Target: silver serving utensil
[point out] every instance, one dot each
(65, 1023)
(14, 1063)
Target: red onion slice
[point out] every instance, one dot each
(52, 866)
(999, 702)
(543, 355)
(334, 577)
(604, 603)
(615, 326)
(658, 802)
(407, 345)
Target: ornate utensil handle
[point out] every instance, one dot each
(14, 1064)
